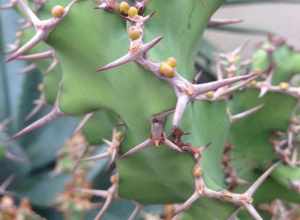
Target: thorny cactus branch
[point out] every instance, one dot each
(184, 90)
(243, 200)
(157, 138)
(112, 150)
(109, 195)
(42, 27)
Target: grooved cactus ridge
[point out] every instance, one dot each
(126, 70)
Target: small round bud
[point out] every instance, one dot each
(210, 94)
(284, 85)
(172, 62)
(134, 33)
(58, 11)
(124, 7)
(166, 70)
(132, 12)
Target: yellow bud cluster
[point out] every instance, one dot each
(126, 9)
(167, 68)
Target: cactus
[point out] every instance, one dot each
(143, 130)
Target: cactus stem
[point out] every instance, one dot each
(222, 22)
(52, 115)
(237, 117)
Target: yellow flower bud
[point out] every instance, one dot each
(124, 7)
(58, 11)
(166, 70)
(132, 12)
(172, 62)
(134, 33)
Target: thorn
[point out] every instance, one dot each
(97, 157)
(265, 86)
(260, 180)
(83, 121)
(237, 117)
(136, 211)
(222, 22)
(52, 115)
(5, 184)
(172, 145)
(252, 211)
(137, 148)
(121, 61)
(147, 46)
(36, 56)
(52, 65)
(104, 208)
(28, 69)
(206, 87)
(93, 192)
(223, 92)
(39, 104)
(181, 104)
(38, 37)
(130, 56)
(187, 204)
(233, 216)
